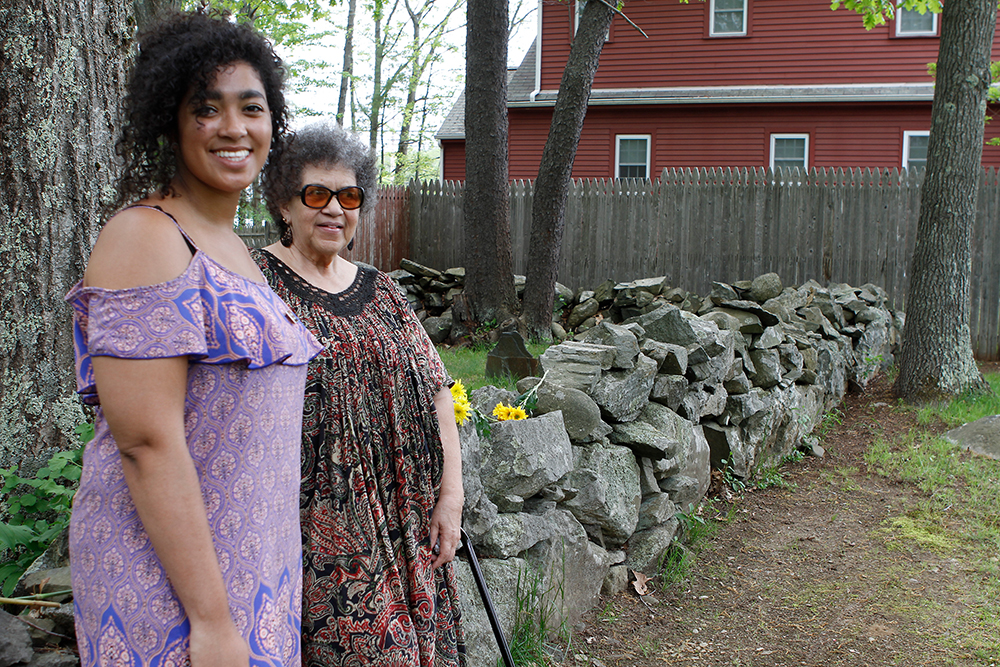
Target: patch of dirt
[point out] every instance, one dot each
(810, 575)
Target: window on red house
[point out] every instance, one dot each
(632, 156)
(729, 17)
(789, 150)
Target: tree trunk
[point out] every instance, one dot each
(489, 278)
(348, 72)
(936, 359)
(555, 170)
(62, 71)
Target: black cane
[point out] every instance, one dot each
(484, 593)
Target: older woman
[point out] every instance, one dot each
(381, 497)
(183, 536)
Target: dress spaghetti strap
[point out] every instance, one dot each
(187, 239)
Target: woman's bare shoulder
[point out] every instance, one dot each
(140, 245)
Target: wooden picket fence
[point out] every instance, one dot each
(694, 226)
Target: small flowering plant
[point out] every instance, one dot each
(464, 410)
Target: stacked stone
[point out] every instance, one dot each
(632, 417)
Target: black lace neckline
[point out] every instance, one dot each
(346, 303)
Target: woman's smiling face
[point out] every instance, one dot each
(225, 138)
(322, 233)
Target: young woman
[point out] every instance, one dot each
(184, 535)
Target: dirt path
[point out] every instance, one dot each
(810, 575)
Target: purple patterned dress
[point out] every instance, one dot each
(243, 418)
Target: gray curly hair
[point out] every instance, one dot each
(320, 145)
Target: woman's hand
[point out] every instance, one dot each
(218, 647)
(446, 524)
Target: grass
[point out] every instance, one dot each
(468, 364)
(955, 514)
(967, 408)
(533, 620)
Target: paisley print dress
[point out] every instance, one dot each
(243, 408)
(371, 470)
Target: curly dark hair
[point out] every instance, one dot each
(320, 145)
(180, 52)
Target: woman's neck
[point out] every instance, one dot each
(331, 273)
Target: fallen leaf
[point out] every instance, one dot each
(640, 583)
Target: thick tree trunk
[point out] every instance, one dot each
(489, 279)
(555, 171)
(348, 72)
(62, 70)
(936, 359)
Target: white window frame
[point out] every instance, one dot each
(907, 134)
(618, 144)
(711, 21)
(579, 5)
(791, 135)
(919, 33)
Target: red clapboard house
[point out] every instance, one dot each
(731, 83)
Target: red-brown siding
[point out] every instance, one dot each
(790, 42)
(712, 135)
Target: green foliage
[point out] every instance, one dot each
(966, 408)
(38, 509)
(533, 617)
(876, 12)
(469, 365)
(955, 515)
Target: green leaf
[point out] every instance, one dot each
(28, 500)
(9, 574)
(13, 537)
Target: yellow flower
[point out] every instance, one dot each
(461, 411)
(516, 414)
(507, 413)
(458, 392)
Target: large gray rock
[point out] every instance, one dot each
(765, 287)
(573, 569)
(669, 390)
(981, 436)
(624, 341)
(479, 512)
(438, 328)
(15, 641)
(582, 312)
(644, 439)
(607, 480)
(581, 415)
(486, 398)
(667, 324)
(694, 472)
(767, 368)
(748, 322)
(655, 510)
(513, 534)
(647, 548)
(522, 457)
(621, 395)
(502, 580)
(726, 444)
(576, 365)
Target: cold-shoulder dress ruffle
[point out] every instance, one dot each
(243, 416)
(371, 471)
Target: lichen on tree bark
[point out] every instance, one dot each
(62, 69)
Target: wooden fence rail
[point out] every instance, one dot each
(698, 225)
(694, 226)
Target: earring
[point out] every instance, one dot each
(350, 246)
(286, 236)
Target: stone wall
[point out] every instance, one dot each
(652, 388)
